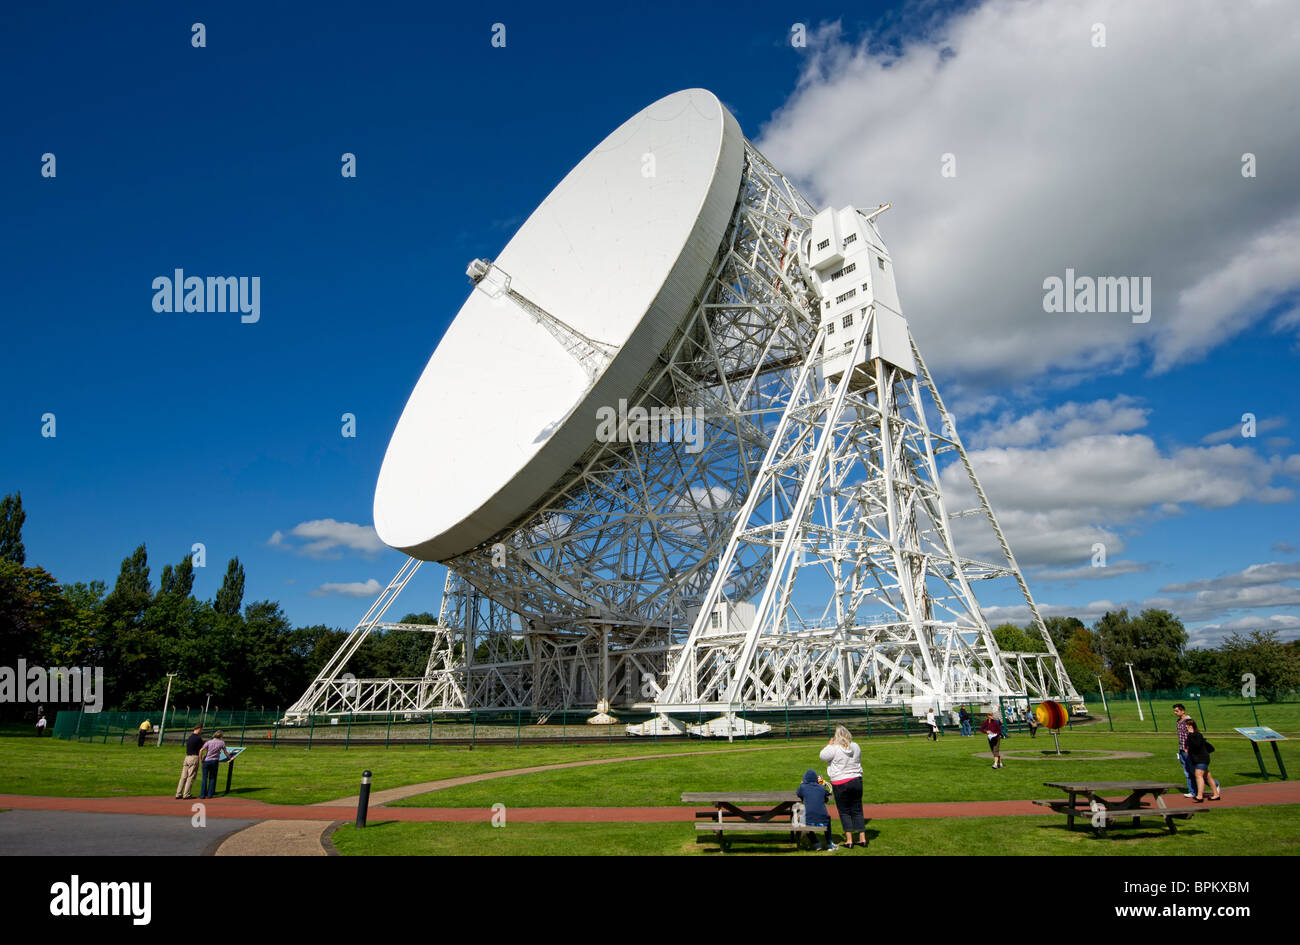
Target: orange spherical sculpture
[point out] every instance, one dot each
(1051, 714)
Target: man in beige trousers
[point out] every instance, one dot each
(192, 745)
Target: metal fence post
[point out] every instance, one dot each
(473, 733)
(867, 706)
(347, 736)
(429, 743)
(242, 727)
(519, 724)
(1201, 710)
(1254, 713)
(1154, 725)
(388, 731)
(311, 729)
(787, 719)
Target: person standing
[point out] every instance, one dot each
(145, 728)
(40, 722)
(193, 745)
(993, 729)
(1198, 753)
(1031, 719)
(964, 717)
(212, 751)
(1180, 713)
(843, 760)
(933, 723)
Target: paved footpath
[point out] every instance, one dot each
(1251, 795)
(69, 833)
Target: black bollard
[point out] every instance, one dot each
(364, 800)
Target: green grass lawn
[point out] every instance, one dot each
(284, 775)
(1220, 714)
(1223, 832)
(896, 770)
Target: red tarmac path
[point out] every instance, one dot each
(1251, 795)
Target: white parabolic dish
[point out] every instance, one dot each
(618, 250)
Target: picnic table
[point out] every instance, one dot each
(746, 813)
(1091, 800)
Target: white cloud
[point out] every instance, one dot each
(1069, 421)
(1211, 635)
(369, 588)
(1056, 503)
(325, 537)
(1256, 574)
(1235, 431)
(1089, 573)
(1121, 161)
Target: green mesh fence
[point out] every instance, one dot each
(1218, 711)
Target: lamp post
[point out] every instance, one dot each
(1103, 695)
(1136, 696)
(162, 726)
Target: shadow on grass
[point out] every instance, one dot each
(769, 846)
(1121, 833)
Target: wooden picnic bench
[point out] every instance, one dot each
(735, 814)
(1087, 799)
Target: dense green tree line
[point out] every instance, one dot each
(1155, 642)
(241, 655)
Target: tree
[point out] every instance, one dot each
(230, 598)
(78, 639)
(1083, 664)
(1275, 666)
(178, 582)
(1013, 639)
(12, 517)
(1062, 630)
(1204, 668)
(30, 609)
(1153, 642)
(131, 647)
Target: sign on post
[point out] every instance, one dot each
(1262, 733)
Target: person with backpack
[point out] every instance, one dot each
(1198, 756)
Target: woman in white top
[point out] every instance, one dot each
(843, 760)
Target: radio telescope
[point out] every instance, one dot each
(680, 454)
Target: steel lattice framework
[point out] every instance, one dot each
(630, 538)
(819, 501)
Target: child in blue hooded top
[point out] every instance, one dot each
(814, 797)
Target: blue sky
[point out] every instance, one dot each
(177, 428)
